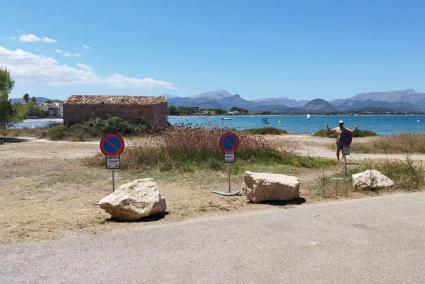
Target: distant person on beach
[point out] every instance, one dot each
(339, 130)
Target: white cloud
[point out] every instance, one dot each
(28, 67)
(85, 46)
(85, 66)
(67, 53)
(34, 38)
(71, 54)
(32, 68)
(121, 81)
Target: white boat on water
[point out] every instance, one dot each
(226, 118)
(308, 116)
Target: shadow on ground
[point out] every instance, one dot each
(154, 218)
(11, 140)
(298, 201)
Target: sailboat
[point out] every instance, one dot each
(308, 114)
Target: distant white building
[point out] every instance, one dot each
(52, 109)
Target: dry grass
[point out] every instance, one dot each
(404, 143)
(406, 174)
(47, 192)
(27, 132)
(190, 149)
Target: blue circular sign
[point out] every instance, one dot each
(229, 142)
(112, 145)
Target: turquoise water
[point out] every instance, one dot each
(381, 124)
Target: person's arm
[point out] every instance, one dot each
(355, 128)
(334, 130)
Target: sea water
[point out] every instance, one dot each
(298, 124)
(301, 124)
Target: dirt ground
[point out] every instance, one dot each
(325, 147)
(47, 192)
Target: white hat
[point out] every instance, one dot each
(341, 122)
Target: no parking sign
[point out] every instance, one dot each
(112, 145)
(229, 142)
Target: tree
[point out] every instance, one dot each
(34, 100)
(6, 85)
(8, 113)
(26, 98)
(240, 110)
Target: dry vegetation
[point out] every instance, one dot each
(404, 143)
(191, 149)
(406, 174)
(48, 190)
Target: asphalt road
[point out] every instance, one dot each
(380, 240)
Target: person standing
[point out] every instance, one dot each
(338, 131)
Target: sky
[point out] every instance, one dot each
(258, 49)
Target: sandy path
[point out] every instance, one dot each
(37, 149)
(321, 147)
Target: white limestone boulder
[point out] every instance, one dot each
(134, 200)
(371, 179)
(260, 187)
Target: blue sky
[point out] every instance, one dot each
(258, 49)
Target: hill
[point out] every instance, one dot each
(319, 106)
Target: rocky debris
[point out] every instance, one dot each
(115, 100)
(134, 200)
(260, 187)
(371, 179)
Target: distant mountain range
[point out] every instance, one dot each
(39, 100)
(392, 101)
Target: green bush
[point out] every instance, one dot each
(56, 131)
(356, 133)
(266, 130)
(363, 133)
(96, 127)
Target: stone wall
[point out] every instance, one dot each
(155, 114)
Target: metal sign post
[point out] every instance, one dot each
(112, 145)
(113, 180)
(229, 142)
(345, 153)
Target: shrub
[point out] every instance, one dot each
(188, 149)
(363, 133)
(56, 131)
(356, 133)
(266, 130)
(96, 127)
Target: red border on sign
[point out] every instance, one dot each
(234, 146)
(103, 141)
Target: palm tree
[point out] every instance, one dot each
(26, 98)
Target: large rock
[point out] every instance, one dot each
(260, 187)
(134, 200)
(371, 179)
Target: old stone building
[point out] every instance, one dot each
(134, 109)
